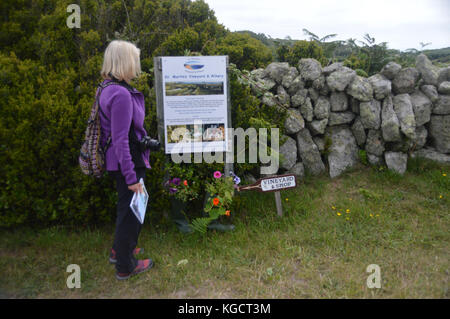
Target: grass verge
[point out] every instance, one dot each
(332, 229)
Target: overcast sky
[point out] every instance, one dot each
(401, 23)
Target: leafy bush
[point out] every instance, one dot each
(219, 201)
(303, 49)
(48, 76)
(42, 126)
(244, 51)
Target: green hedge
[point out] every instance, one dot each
(42, 121)
(48, 76)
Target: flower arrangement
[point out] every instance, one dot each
(181, 189)
(183, 184)
(221, 191)
(186, 185)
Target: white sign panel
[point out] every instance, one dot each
(195, 104)
(271, 184)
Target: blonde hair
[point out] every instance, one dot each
(122, 61)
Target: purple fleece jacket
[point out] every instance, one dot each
(121, 106)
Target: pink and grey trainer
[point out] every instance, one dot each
(112, 255)
(143, 265)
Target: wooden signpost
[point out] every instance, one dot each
(273, 184)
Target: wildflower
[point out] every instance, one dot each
(227, 213)
(333, 208)
(347, 211)
(176, 181)
(236, 178)
(338, 213)
(185, 183)
(347, 218)
(444, 174)
(287, 199)
(371, 215)
(377, 215)
(216, 201)
(440, 196)
(217, 174)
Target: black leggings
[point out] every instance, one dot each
(127, 225)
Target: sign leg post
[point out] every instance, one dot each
(278, 203)
(274, 184)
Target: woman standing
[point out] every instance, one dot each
(122, 119)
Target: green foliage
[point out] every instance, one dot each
(358, 62)
(244, 51)
(247, 111)
(339, 50)
(282, 52)
(362, 73)
(201, 224)
(439, 55)
(221, 191)
(188, 186)
(178, 42)
(327, 145)
(369, 58)
(42, 126)
(363, 157)
(48, 76)
(303, 49)
(369, 194)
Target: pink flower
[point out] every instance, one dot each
(217, 174)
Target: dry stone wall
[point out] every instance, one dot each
(334, 113)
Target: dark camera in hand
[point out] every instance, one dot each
(149, 143)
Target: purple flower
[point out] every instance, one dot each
(236, 180)
(172, 190)
(176, 181)
(217, 174)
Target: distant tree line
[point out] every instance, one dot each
(367, 57)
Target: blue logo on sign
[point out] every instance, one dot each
(193, 66)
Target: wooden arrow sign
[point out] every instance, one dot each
(272, 183)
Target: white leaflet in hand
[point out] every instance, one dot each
(139, 203)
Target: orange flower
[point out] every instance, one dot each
(216, 201)
(227, 213)
(185, 182)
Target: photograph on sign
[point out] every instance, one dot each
(195, 104)
(193, 88)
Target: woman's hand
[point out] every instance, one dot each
(136, 188)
